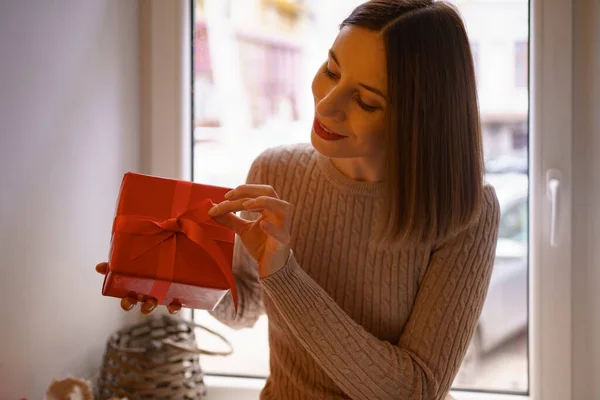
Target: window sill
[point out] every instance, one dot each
(225, 388)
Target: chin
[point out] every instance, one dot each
(332, 149)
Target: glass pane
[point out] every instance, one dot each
(254, 61)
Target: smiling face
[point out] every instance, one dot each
(350, 97)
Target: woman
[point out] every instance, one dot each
(371, 250)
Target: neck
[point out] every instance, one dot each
(360, 169)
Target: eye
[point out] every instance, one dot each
(365, 106)
(328, 72)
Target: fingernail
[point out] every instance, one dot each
(229, 195)
(213, 210)
(148, 306)
(174, 308)
(102, 268)
(127, 303)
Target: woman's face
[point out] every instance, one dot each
(350, 93)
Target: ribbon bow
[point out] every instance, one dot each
(193, 224)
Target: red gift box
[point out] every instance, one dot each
(164, 244)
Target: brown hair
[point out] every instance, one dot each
(435, 158)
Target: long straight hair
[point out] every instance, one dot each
(435, 158)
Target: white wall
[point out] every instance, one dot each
(69, 122)
(586, 200)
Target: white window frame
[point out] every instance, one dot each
(166, 81)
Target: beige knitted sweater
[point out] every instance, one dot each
(349, 318)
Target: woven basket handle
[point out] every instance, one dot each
(196, 350)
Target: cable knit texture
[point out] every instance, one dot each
(350, 318)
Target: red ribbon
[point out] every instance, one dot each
(189, 222)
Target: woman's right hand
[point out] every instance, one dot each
(128, 303)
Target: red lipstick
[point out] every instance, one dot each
(324, 133)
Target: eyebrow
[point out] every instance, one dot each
(369, 88)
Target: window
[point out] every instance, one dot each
(521, 64)
(238, 113)
(513, 225)
(476, 56)
(271, 105)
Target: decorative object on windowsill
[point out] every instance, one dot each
(156, 359)
(69, 388)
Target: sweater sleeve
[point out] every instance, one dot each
(245, 272)
(423, 363)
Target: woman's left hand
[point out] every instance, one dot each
(266, 239)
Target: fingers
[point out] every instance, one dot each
(238, 199)
(269, 223)
(233, 222)
(252, 191)
(225, 207)
(277, 233)
(102, 268)
(149, 306)
(174, 308)
(277, 206)
(276, 214)
(127, 303)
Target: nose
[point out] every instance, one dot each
(331, 106)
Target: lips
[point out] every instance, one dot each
(325, 133)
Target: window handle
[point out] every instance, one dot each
(553, 177)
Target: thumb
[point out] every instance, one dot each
(233, 222)
(102, 268)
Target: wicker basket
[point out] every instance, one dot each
(157, 359)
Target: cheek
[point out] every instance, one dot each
(321, 86)
(370, 131)
(317, 87)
